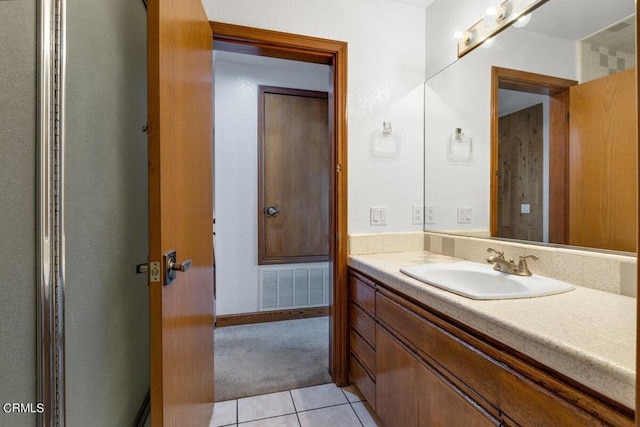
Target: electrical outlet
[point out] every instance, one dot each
(428, 215)
(416, 214)
(377, 216)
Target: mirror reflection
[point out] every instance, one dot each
(533, 138)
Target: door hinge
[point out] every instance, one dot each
(338, 168)
(145, 128)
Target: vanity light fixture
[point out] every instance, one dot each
(499, 16)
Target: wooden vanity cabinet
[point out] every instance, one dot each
(417, 367)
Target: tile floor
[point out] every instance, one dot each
(317, 406)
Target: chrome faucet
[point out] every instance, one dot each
(501, 264)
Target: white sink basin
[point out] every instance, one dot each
(479, 281)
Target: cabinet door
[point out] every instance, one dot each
(530, 405)
(396, 382)
(440, 403)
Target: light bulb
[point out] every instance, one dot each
(492, 8)
(457, 33)
(522, 21)
(488, 43)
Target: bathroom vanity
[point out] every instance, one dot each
(422, 356)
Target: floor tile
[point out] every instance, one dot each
(353, 394)
(284, 421)
(366, 415)
(341, 415)
(265, 406)
(318, 396)
(224, 413)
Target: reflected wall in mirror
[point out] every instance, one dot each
(533, 175)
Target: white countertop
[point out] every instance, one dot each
(585, 334)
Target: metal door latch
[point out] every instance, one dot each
(153, 268)
(172, 267)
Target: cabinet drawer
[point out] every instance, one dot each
(364, 324)
(460, 359)
(363, 351)
(363, 381)
(363, 292)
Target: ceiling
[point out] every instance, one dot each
(417, 3)
(578, 19)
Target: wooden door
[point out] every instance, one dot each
(603, 163)
(520, 182)
(294, 187)
(180, 212)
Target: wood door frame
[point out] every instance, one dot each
(637, 406)
(254, 41)
(263, 259)
(558, 91)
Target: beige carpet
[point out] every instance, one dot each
(269, 357)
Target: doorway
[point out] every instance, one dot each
(525, 88)
(263, 43)
(522, 181)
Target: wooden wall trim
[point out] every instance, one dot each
(493, 162)
(559, 168)
(275, 44)
(240, 39)
(270, 316)
(638, 226)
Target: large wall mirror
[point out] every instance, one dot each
(533, 137)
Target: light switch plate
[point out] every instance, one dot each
(464, 214)
(378, 216)
(428, 215)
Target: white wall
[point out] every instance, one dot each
(236, 81)
(442, 17)
(459, 96)
(386, 73)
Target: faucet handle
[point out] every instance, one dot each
(523, 268)
(499, 253)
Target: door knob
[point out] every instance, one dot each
(172, 267)
(271, 211)
(180, 266)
